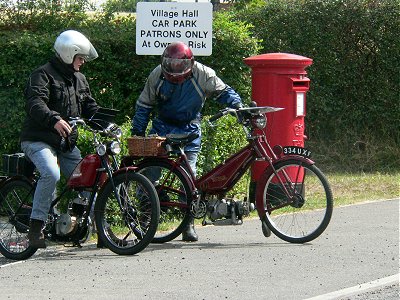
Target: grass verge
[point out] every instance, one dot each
(360, 187)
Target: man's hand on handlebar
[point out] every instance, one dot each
(63, 128)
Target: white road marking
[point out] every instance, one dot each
(11, 264)
(358, 288)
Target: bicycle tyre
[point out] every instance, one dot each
(14, 225)
(126, 228)
(308, 215)
(174, 194)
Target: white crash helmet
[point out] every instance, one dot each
(70, 43)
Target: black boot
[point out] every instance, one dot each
(35, 234)
(100, 243)
(189, 234)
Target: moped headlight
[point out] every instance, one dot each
(259, 121)
(118, 132)
(115, 147)
(101, 149)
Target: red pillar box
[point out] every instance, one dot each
(279, 79)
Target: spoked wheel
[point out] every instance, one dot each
(304, 212)
(174, 195)
(16, 198)
(127, 216)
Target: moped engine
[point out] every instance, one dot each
(67, 223)
(228, 211)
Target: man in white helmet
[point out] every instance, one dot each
(55, 92)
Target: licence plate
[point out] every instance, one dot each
(294, 150)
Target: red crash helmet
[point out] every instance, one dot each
(177, 62)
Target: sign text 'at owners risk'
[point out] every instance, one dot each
(161, 23)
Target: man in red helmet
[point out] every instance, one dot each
(176, 91)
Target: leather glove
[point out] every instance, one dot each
(238, 105)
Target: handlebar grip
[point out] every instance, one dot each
(216, 116)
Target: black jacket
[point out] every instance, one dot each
(54, 92)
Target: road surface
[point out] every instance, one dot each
(357, 257)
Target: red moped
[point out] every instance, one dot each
(126, 207)
(293, 197)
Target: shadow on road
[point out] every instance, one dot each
(91, 252)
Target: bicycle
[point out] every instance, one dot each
(126, 207)
(293, 197)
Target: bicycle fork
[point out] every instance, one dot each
(288, 185)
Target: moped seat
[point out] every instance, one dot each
(180, 139)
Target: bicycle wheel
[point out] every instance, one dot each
(297, 201)
(174, 195)
(16, 197)
(126, 224)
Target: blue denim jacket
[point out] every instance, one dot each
(178, 107)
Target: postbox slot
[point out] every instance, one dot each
(300, 84)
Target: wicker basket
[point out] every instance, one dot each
(145, 146)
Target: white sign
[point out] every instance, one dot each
(300, 104)
(160, 23)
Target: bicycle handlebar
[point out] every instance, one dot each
(240, 112)
(222, 113)
(76, 121)
(216, 116)
(112, 130)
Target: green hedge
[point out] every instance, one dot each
(118, 75)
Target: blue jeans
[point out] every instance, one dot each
(192, 159)
(46, 160)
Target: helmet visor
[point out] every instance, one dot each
(176, 66)
(91, 55)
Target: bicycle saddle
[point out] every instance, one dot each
(184, 138)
